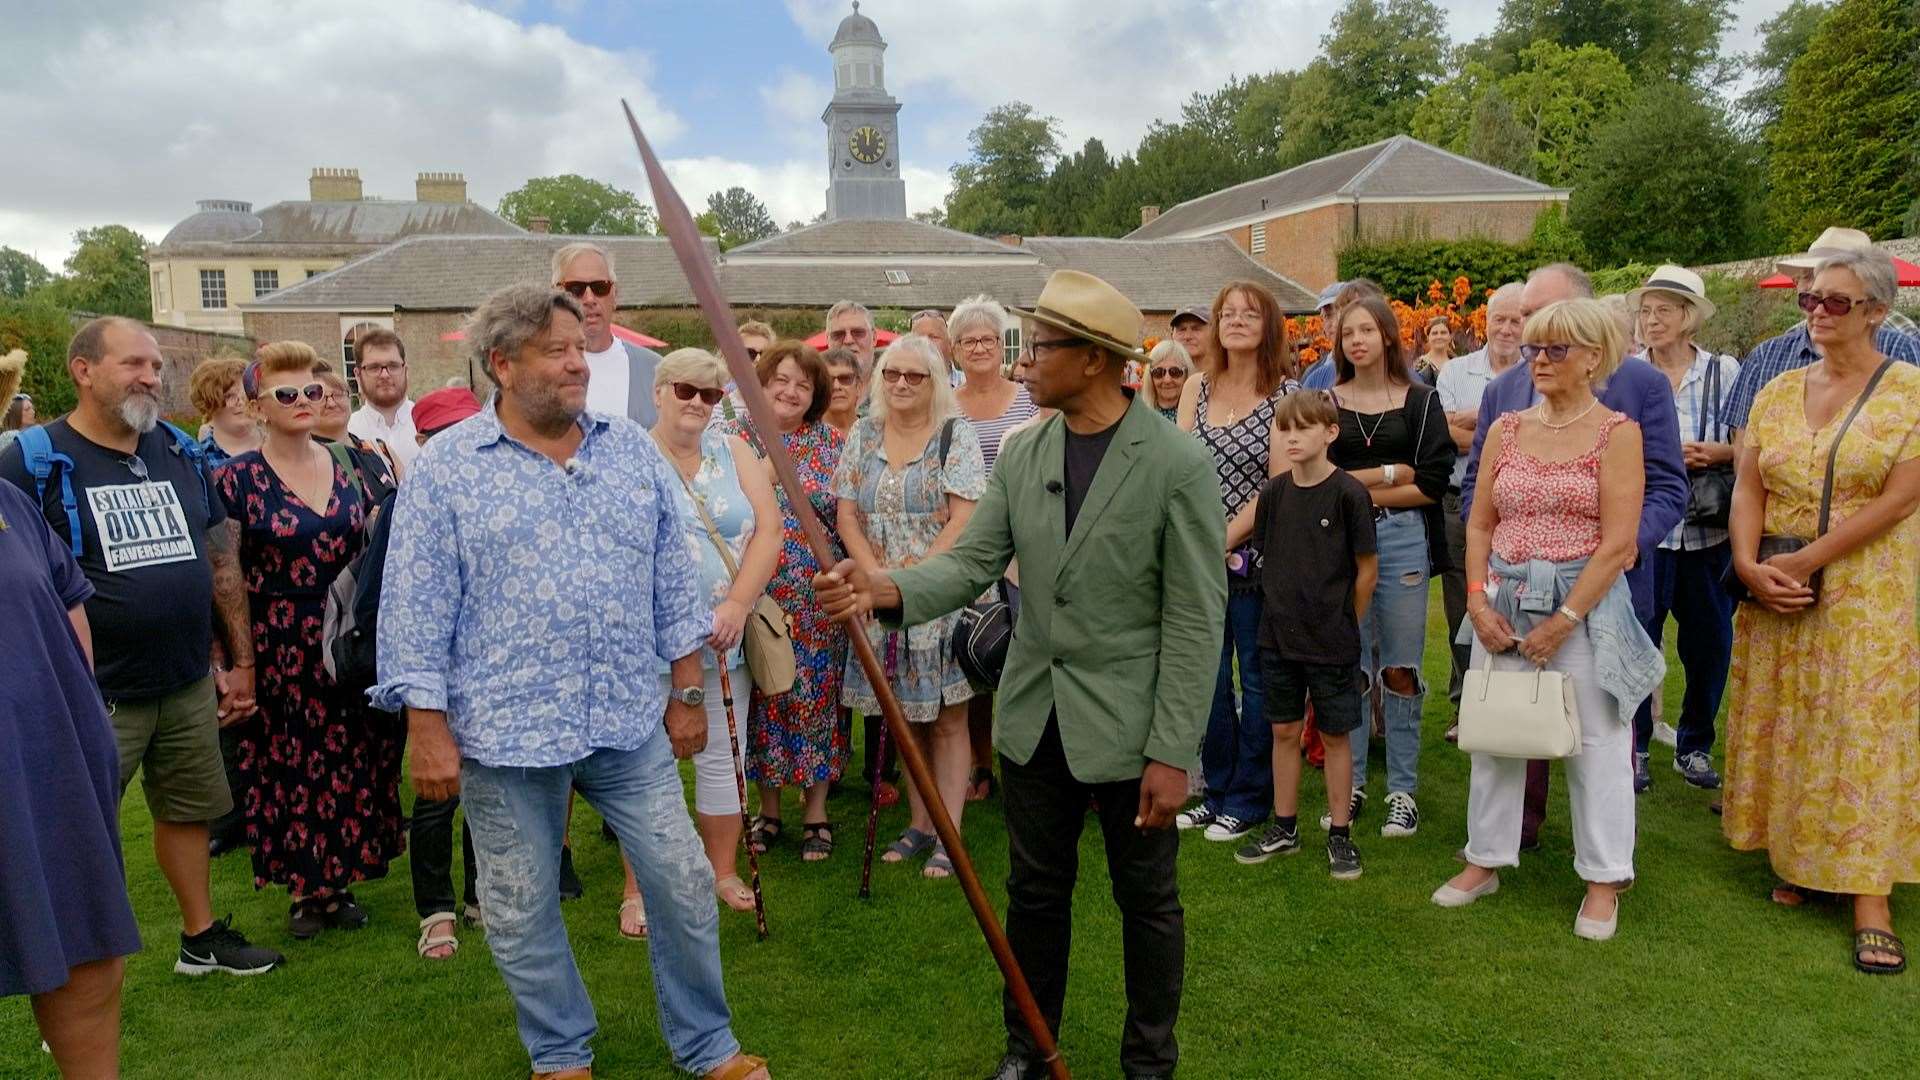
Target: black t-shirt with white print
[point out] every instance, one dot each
(144, 549)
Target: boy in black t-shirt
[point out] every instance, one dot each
(1315, 525)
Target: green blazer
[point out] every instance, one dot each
(1120, 624)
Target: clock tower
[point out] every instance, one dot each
(863, 138)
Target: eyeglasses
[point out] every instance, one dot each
(1239, 316)
(1554, 353)
(382, 368)
(334, 397)
(136, 466)
(856, 333)
(1168, 372)
(1836, 304)
(753, 353)
(845, 379)
(708, 395)
(1038, 347)
(289, 396)
(579, 288)
(1662, 312)
(894, 375)
(979, 342)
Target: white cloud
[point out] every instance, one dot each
(793, 102)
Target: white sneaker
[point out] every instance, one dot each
(1449, 897)
(1403, 815)
(1195, 817)
(1226, 827)
(1354, 806)
(1664, 734)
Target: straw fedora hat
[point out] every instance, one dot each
(1679, 281)
(1833, 241)
(1087, 307)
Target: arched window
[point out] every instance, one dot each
(348, 337)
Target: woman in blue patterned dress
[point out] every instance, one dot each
(907, 483)
(795, 739)
(722, 483)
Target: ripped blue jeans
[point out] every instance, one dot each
(1393, 635)
(517, 815)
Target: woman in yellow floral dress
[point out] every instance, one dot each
(1823, 738)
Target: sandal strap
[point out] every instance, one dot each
(740, 1067)
(1878, 941)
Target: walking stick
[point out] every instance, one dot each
(740, 784)
(873, 804)
(692, 255)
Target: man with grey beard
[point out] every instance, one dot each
(131, 499)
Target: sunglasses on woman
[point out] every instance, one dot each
(290, 396)
(579, 288)
(1555, 353)
(708, 395)
(1836, 304)
(894, 375)
(1166, 372)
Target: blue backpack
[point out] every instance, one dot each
(40, 456)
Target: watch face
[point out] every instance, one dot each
(867, 144)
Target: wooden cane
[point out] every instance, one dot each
(740, 784)
(873, 802)
(691, 252)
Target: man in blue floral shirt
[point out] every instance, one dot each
(536, 571)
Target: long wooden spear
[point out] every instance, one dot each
(687, 247)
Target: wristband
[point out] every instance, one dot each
(1476, 587)
(1572, 615)
(1387, 472)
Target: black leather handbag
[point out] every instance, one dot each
(981, 640)
(1710, 501)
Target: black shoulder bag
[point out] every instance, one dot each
(1772, 544)
(1710, 496)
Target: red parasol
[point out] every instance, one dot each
(619, 331)
(880, 337)
(1906, 273)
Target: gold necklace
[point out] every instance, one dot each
(1551, 426)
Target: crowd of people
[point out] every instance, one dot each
(1220, 565)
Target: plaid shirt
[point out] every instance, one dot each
(1792, 350)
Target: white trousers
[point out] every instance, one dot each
(1599, 777)
(714, 769)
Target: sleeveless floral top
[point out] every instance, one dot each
(1547, 509)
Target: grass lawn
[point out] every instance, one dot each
(1288, 972)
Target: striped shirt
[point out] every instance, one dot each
(1019, 411)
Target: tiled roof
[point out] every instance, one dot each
(1401, 166)
(329, 226)
(1163, 275)
(900, 236)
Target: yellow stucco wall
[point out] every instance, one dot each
(175, 285)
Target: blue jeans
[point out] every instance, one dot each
(1687, 583)
(1394, 635)
(1237, 756)
(518, 815)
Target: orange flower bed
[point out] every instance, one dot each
(1459, 306)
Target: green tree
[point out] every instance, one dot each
(999, 187)
(1783, 39)
(1072, 190)
(1669, 181)
(576, 206)
(43, 329)
(1379, 60)
(742, 217)
(1659, 40)
(1564, 96)
(106, 274)
(20, 273)
(1444, 117)
(932, 215)
(1846, 150)
(1497, 136)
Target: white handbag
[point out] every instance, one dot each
(1518, 714)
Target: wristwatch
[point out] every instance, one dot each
(688, 695)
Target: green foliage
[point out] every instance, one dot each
(1660, 40)
(1404, 268)
(1378, 60)
(998, 189)
(1536, 121)
(1783, 39)
(1498, 137)
(742, 218)
(20, 273)
(1669, 180)
(1068, 203)
(42, 329)
(577, 206)
(1846, 150)
(106, 275)
(1554, 239)
(932, 215)
(681, 329)
(1619, 279)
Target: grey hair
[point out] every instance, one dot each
(982, 310)
(1576, 277)
(845, 306)
(1873, 266)
(1508, 293)
(687, 365)
(918, 347)
(576, 249)
(1170, 349)
(510, 318)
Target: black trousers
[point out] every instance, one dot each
(1045, 811)
(430, 840)
(231, 826)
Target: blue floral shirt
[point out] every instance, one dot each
(530, 602)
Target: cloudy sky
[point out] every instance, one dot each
(130, 110)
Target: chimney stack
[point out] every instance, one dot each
(440, 187)
(334, 185)
(1148, 213)
(541, 225)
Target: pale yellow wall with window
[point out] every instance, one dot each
(175, 285)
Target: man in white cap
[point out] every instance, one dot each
(1794, 349)
(1107, 685)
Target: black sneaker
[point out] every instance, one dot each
(1354, 807)
(1198, 817)
(1403, 815)
(222, 948)
(1273, 840)
(305, 920)
(1642, 774)
(1697, 769)
(342, 913)
(570, 887)
(1343, 859)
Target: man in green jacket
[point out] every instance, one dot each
(1115, 517)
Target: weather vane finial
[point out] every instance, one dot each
(856, 7)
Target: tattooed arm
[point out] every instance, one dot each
(233, 623)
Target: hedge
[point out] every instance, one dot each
(43, 330)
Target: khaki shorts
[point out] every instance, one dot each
(176, 740)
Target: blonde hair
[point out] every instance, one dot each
(687, 365)
(758, 329)
(282, 358)
(1580, 322)
(211, 382)
(921, 347)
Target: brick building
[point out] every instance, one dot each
(1295, 222)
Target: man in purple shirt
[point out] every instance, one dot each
(1644, 395)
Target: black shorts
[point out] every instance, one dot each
(1334, 690)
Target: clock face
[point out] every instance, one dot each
(867, 144)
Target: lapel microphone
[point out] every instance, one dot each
(1055, 487)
